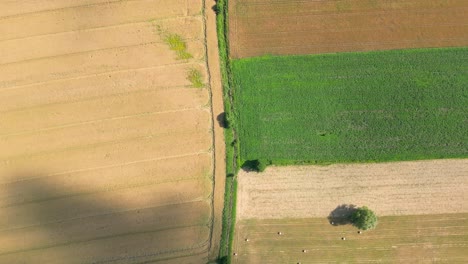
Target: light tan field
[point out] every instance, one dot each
(421, 207)
(395, 188)
(440, 238)
(272, 27)
(106, 150)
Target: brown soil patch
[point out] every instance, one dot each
(259, 27)
(398, 188)
(106, 151)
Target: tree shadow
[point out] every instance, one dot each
(341, 214)
(249, 165)
(222, 120)
(43, 222)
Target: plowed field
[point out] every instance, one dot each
(106, 149)
(259, 27)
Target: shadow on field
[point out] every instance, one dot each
(340, 215)
(222, 120)
(46, 221)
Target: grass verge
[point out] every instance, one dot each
(353, 107)
(230, 134)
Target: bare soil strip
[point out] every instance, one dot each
(398, 239)
(106, 149)
(397, 188)
(314, 27)
(217, 110)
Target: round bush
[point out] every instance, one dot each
(364, 218)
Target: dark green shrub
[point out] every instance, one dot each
(261, 165)
(258, 165)
(364, 218)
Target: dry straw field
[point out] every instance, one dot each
(106, 148)
(394, 188)
(260, 27)
(401, 239)
(421, 205)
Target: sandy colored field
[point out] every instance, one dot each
(259, 27)
(106, 150)
(397, 239)
(396, 188)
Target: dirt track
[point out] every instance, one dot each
(398, 188)
(106, 151)
(267, 27)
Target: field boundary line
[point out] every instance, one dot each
(100, 120)
(191, 40)
(359, 43)
(115, 189)
(94, 145)
(348, 29)
(143, 22)
(64, 8)
(231, 138)
(348, 13)
(212, 121)
(109, 166)
(93, 98)
(104, 27)
(102, 238)
(93, 75)
(198, 200)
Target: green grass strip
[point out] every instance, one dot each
(230, 134)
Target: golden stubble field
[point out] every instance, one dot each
(106, 149)
(421, 204)
(393, 188)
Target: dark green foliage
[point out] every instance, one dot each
(353, 107)
(223, 260)
(258, 165)
(363, 218)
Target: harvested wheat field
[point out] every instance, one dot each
(286, 214)
(438, 238)
(270, 27)
(395, 188)
(106, 146)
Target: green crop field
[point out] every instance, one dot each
(348, 107)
